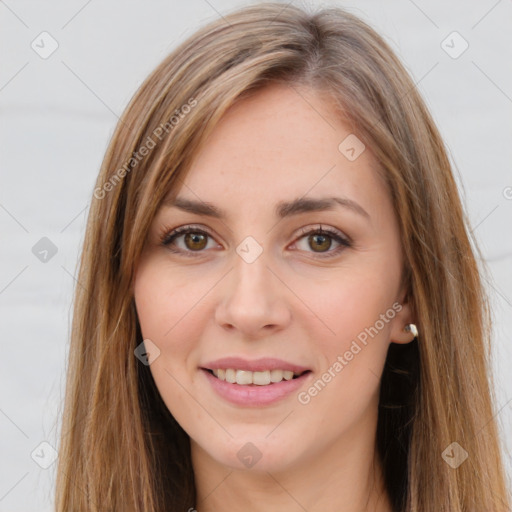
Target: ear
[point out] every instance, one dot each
(403, 317)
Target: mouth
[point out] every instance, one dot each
(255, 382)
(260, 378)
(261, 388)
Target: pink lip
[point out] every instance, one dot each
(253, 395)
(257, 365)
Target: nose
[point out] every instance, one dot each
(252, 299)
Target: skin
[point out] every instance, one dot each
(289, 303)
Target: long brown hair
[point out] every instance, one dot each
(120, 447)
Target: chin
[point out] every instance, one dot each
(257, 455)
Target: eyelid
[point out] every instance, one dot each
(169, 234)
(328, 230)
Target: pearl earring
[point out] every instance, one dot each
(411, 328)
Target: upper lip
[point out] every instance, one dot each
(256, 365)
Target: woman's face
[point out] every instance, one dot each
(258, 281)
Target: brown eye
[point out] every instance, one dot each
(321, 241)
(195, 241)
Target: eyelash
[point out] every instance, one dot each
(168, 236)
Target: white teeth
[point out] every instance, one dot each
(261, 378)
(276, 375)
(287, 374)
(245, 377)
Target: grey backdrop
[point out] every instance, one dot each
(58, 111)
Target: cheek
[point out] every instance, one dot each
(163, 299)
(347, 305)
(165, 309)
(151, 304)
(169, 307)
(351, 327)
(346, 387)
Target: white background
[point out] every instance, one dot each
(57, 116)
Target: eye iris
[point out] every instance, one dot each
(194, 237)
(322, 238)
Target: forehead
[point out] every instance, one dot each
(281, 144)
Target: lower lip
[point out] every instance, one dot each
(252, 394)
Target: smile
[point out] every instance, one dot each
(262, 378)
(250, 393)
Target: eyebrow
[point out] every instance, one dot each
(283, 209)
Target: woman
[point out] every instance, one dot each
(219, 359)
